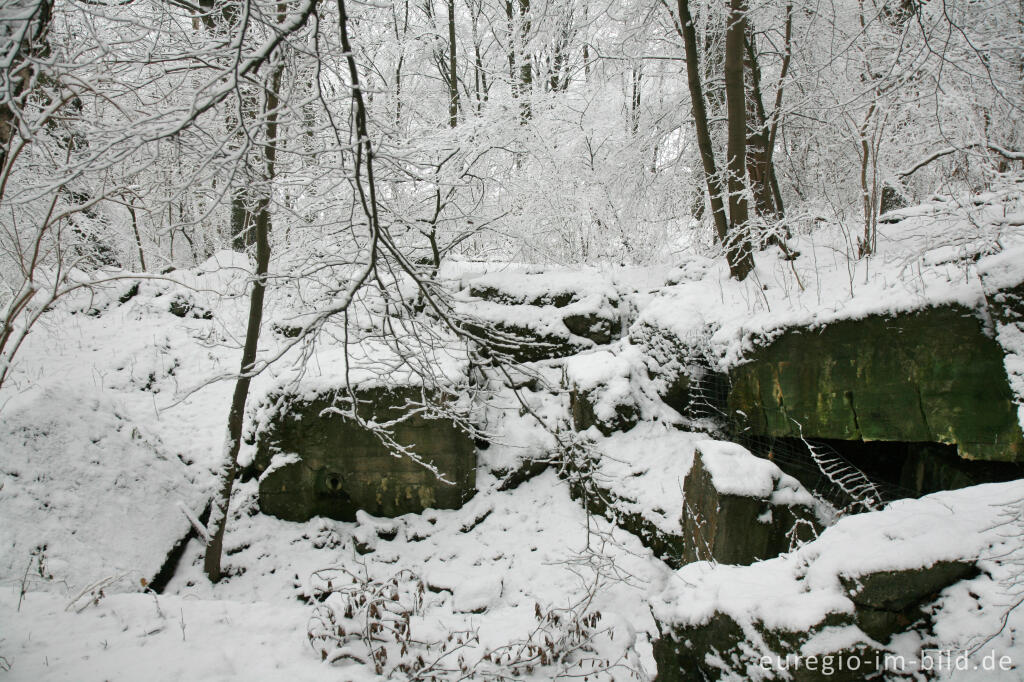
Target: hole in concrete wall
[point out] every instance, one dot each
(897, 469)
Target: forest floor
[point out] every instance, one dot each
(112, 425)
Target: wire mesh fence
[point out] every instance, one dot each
(818, 465)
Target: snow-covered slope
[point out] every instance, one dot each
(113, 420)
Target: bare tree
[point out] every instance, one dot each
(731, 228)
(261, 221)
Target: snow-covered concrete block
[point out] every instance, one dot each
(740, 508)
(532, 317)
(898, 582)
(930, 375)
(315, 459)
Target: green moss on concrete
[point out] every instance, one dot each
(344, 467)
(931, 375)
(737, 529)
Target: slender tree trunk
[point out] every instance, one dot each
(737, 245)
(634, 102)
(776, 116)
(525, 64)
(558, 76)
(758, 158)
(868, 193)
(400, 38)
(219, 24)
(15, 79)
(398, 92)
(241, 218)
(510, 16)
(135, 231)
(453, 80)
(700, 120)
(738, 256)
(236, 414)
(479, 75)
(586, 43)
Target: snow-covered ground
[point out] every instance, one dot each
(110, 432)
(112, 421)
(486, 568)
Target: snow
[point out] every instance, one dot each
(148, 637)
(932, 255)
(515, 436)
(520, 442)
(645, 467)
(477, 594)
(527, 301)
(581, 284)
(1002, 270)
(587, 371)
(542, 321)
(485, 566)
(87, 493)
(113, 417)
(734, 471)
(113, 421)
(617, 377)
(797, 590)
(158, 438)
(998, 273)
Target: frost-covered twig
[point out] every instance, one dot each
(200, 529)
(92, 594)
(1013, 561)
(701, 542)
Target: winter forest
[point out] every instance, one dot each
(511, 339)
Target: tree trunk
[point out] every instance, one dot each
(242, 236)
(525, 65)
(236, 414)
(19, 75)
(400, 38)
(700, 120)
(739, 266)
(586, 44)
(634, 103)
(479, 75)
(510, 16)
(737, 245)
(787, 56)
(453, 80)
(240, 221)
(135, 231)
(758, 159)
(865, 246)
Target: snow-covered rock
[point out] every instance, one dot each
(896, 581)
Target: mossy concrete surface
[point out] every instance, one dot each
(718, 650)
(738, 529)
(930, 375)
(343, 467)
